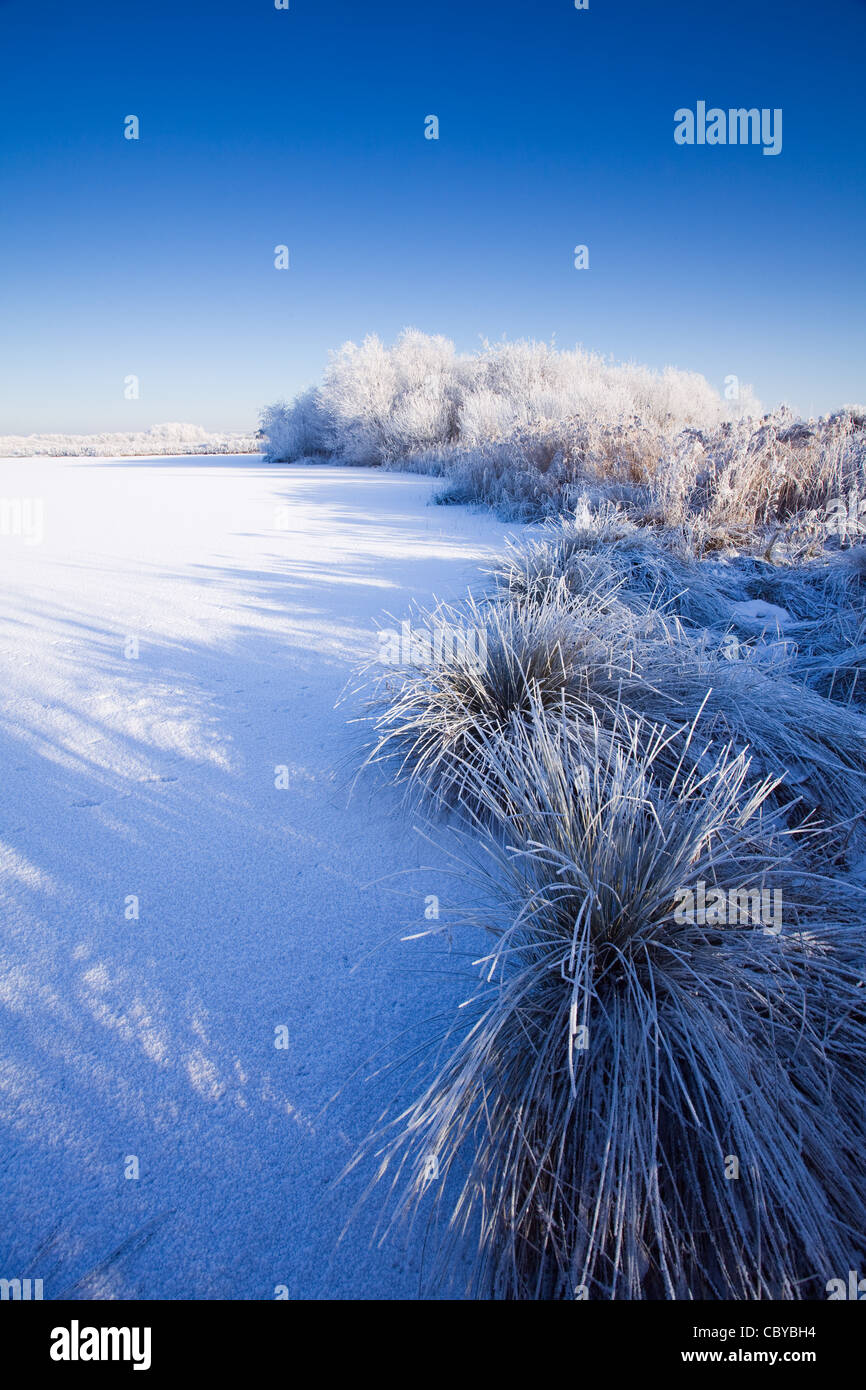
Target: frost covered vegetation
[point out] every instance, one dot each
(167, 439)
(530, 430)
(673, 703)
(631, 1105)
(420, 403)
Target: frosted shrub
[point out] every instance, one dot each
(421, 418)
(358, 397)
(525, 428)
(486, 415)
(297, 430)
(381, 405)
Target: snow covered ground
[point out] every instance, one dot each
(249, 592)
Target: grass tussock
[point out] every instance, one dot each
(583, 655)
(614, 1068)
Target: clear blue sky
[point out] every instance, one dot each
(306, 127)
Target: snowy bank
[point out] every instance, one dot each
(154, 442)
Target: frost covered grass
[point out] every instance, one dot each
(806, 620)
(627, 1107)
(645, 720)
(586, 657)
(672, 694)
(168, 439)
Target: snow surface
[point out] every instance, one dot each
(761, 613)
(253, 590)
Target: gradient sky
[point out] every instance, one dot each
(306, 127)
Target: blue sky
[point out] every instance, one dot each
(306, 127)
